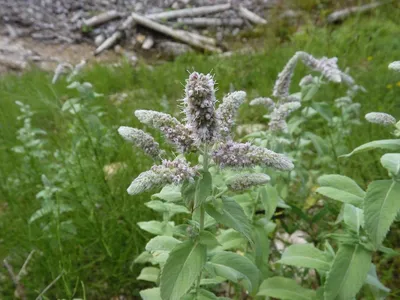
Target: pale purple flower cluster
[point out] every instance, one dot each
(177, 133)
(326, 66)
(168, 172)
(279, 115)
(243, 182)
(199, 107)
(267, 102)
(380, 118)
(141, 139)
(282, 84)
(226, 112)
(245, 155)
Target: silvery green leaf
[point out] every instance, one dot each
(208, 239)
(323, 109)
(203, 189)
(157, 228)
(284, 288)
(269, 197)
(341, 188)
(353, 217)
(380, 144)
(149, 274)
(150, 294)
(348, 272)
(380, 209)
(165, 207)
(231, 239)
(162, 243)
(232, 215)
(183, 266)
(235, 268)
(170, 193)
(143, 258)
(373, 280)
(391, 161)
(212, 281)
(306, 256)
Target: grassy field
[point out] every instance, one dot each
(94, 239)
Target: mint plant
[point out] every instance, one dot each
(367, 217)
(190, 256)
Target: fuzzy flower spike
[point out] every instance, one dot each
(380, 118)
(239, 155)
(140, 139)
(199, 107)
(168, 172)
(226, 112)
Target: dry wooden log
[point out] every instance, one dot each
(108, 42)
(189, 12)
(342, 14)
(148, 43)
(252, 17)
(102, 18)
(205, 22)
(12, 63)
(180, 35)
(201, 38)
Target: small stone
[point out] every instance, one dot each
(99, 39)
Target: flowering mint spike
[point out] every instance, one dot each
(226, 112)
(326, 66)
(243, 182)
(395, 66)
(239, 155)
(177, 133)
(141, 139)
(278, 116)
(380, 118)
(267, 102)
(168, 172)
(282, 84)
(199, 107)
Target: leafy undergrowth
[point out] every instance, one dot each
(87, 166)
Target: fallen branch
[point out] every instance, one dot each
(180, 35)
(101, 18)
(342, 14)
(189, 12)
(108, 42)
(205, 22)
(252, 17)
(201, 38)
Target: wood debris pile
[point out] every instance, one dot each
(109, 22)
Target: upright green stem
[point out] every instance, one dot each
(202, 210)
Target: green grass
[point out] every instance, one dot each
(99, 256)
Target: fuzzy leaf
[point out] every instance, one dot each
(170, 193)
(306, 256)
(284, 288)
(269, 198)
(162, 243)
(341, 182)
(150, 294)
(380, 209)
(373, 280)
(339, 195)
(208, 239)
(353, 217)
(183, 266)
(348, 272)
(163, 207)
(235, 267)
(231, 239)
(157, 228)
(391, 161)
(381, 144)
(149, 274)
(232, 215)
(203, 189)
